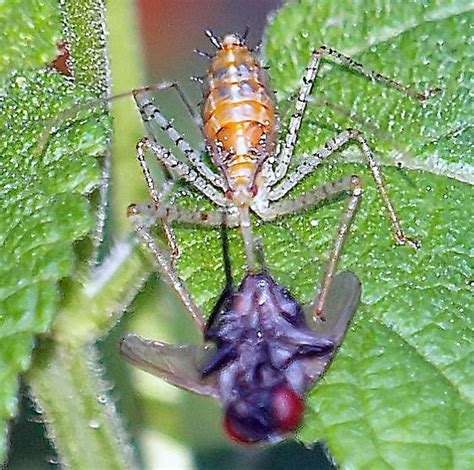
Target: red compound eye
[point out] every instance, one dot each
(264, 415)
(287, 408)
(234, 433)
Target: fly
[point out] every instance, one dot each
(261, 353)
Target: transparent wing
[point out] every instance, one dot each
(177, 364)
(343, 300)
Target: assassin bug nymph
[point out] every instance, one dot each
(240, 125)
(260, 354)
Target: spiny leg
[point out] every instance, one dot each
(361, 123)
(309, 79)
(308, 200)
(181, 169)
(169, 271)
(330, 147)
(200, 218)
(172, 213)
(154, 121)
(157, 197)
(369, 73)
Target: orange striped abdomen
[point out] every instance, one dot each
(239, 114)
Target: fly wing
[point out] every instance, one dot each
(177, 364)
(342, 302)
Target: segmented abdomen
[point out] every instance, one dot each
(239, 113)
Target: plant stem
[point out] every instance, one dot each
(80, 414)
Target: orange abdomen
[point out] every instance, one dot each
(239, 113)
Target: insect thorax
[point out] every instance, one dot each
(263, 330)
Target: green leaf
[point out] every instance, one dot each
(420, 44)
(400, 393)
(30, 32)
(43, 184)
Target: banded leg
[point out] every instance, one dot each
(308, 81)
(172, 276)
(180, 169)
(157, 197)
(179, 91)
(171, 213)
(330, 147)
(154, 121)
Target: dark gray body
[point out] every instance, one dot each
(262, 338)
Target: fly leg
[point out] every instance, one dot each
(226, 294)
(330, 148)
(309, 78)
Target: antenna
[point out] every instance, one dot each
(204, 54)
